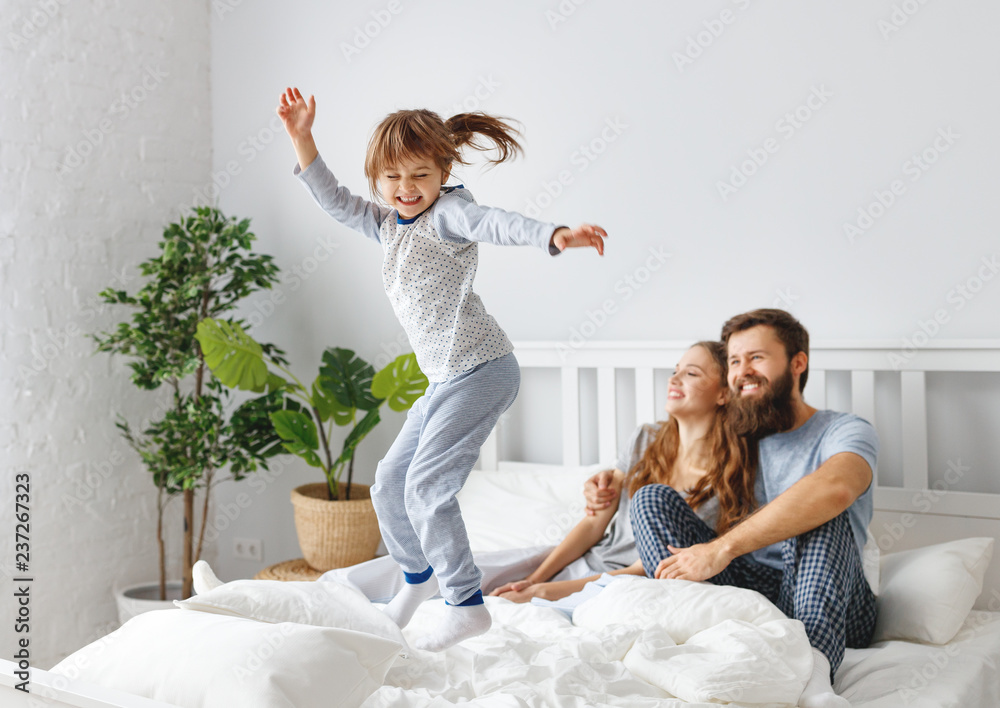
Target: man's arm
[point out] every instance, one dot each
(811, 502)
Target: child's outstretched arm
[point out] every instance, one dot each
(352, 211)
(298, 116)
(468, 220)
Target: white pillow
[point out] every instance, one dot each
(327, 604)
(524, 507)
(202, 660)
(926, 593)
(871, 562)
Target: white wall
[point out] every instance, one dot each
(883, 85)
(123, 86)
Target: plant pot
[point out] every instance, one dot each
(335, 534)
(145, 597)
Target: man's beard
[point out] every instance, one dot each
(769, 411)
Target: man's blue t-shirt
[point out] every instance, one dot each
(785, 458)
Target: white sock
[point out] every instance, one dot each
(818, 693)
(459, 623)
(401, 608)
(203, 578)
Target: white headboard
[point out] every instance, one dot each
(912, 513)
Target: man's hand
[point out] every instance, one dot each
(599, 491)
(582, 236)
(699, 562)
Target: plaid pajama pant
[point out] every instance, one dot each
(821, 583)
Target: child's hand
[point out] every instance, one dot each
(582, 236)
(296, 114)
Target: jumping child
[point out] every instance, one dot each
(429, 234)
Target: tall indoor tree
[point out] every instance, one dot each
(205, 268)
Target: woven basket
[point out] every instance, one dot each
(335, 534)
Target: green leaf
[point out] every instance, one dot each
(327, 404)
(350, 378)
(273, 383)
(310, 456)
(296, 427)
(400, 383)
(232, 355)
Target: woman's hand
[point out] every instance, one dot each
(599, 491)
(521, 592)
(515, 586)
(582, 236)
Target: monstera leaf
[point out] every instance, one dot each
(327, 404)
(400, 383)
(298, 431)
(348, 378)
(233, 356)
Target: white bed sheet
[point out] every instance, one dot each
(534, 657)
(960, 674)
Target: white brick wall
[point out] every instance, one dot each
(123, 86)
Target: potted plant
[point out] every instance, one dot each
(335, 522)
(205, 267)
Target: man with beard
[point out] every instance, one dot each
(802, 548)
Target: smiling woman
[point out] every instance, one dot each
(694, 452)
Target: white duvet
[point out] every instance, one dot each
(640, 642)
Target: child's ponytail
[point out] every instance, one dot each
(466, 129)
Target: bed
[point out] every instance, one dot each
(940, 639)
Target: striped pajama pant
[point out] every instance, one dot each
(429, 462)
(821, 582)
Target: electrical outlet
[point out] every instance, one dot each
(250, 549)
